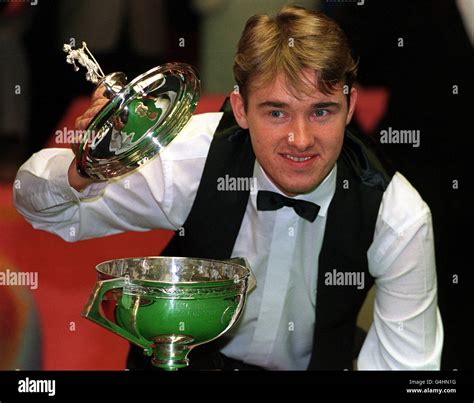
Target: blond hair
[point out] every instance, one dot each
(293, 40)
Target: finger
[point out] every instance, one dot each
(98, 93)
(91, 112)
(83, 121)
(99, 102)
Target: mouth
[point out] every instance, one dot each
(299, 160)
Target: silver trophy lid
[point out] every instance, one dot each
(141, 118)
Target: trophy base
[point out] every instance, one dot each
(171, 351)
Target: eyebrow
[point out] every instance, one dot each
(278, 104)
(326, 105)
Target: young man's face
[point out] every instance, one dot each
(296, 140)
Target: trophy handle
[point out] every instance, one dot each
(92, 312)
(252, 281)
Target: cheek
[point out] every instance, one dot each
(331, 140)
(333, 150)
(262, 148)
(264, 141)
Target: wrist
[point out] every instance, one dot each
(78, 180)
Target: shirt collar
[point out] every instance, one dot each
(322, 195)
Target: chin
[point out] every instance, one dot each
(294, 190)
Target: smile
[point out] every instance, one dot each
(297, 159)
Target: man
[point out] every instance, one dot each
(327, 221)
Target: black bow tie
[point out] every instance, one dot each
(273, 201)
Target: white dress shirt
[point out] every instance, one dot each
(276, 328)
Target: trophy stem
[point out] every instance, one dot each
(171, 351)
(113, 83)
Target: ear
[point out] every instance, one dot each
(238, 107)
(352, 105)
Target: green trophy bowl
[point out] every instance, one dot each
(168, 305)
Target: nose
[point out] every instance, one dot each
(300, 136)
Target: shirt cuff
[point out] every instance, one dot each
(60, 187)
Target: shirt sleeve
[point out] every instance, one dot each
(407, 331)
(157, 195)
(42, 194)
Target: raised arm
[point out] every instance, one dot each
(44, 196)
(52, 196)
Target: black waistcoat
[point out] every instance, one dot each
(213, 224)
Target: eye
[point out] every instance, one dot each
(321, 113)
(276, 114)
